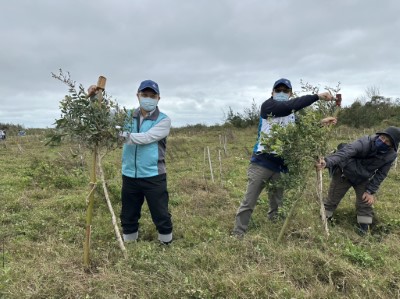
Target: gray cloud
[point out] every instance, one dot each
(206, 55)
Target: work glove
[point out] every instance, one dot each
(123, 134)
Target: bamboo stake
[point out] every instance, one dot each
(90, 193)
(113, 218)
(204, 164)
(209, 161)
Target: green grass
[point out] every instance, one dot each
(42, 220)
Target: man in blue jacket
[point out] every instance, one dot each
(265, 167)
(143, 165)
(363, 165)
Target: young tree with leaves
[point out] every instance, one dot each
(91, 119)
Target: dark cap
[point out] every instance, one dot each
(149, 84)
(283, 81)
(394, 135)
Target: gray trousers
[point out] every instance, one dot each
(258, 178)
(337, 190)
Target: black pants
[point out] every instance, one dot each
(154, 189)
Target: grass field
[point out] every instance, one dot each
(42, 226)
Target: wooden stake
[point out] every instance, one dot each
(225, 142)
(209, 161)
(220, 167)
(204, 169)
(113, 218)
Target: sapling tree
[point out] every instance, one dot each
(92, 119)
(300, 144)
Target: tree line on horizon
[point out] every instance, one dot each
(370, 111)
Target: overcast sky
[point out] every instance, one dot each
(206, 55)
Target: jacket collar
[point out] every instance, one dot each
(153, 115)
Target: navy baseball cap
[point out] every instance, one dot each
(149, 84)
(283, 81)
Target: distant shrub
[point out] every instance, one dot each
(372, 113)
(249, 117)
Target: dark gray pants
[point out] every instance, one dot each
(337, 190)
(258, 178)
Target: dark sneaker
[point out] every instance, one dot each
(166, 243)
(363, 229)
(331, 221)
(276, 218)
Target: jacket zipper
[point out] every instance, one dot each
(136, 146)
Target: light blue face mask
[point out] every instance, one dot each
(281, 96)
(148, 104)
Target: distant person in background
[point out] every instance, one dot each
(143, 165)
(266, 167)
(2, 135)
(363, 165)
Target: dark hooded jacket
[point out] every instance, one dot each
(360, 161)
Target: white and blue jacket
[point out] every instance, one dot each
(143, 154)
(282, 113)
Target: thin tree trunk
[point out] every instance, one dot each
(89, 213)
(290, 214)
(321, 200)
(287, 220)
